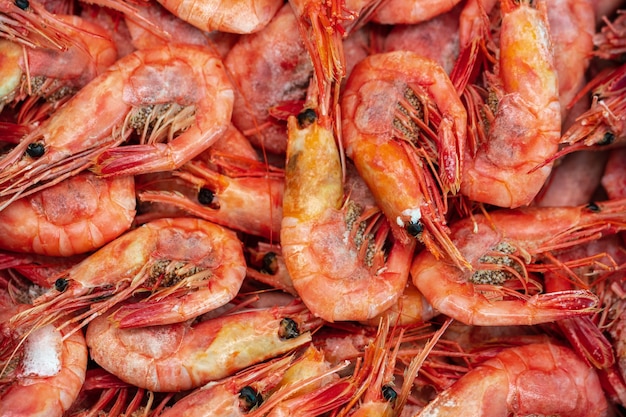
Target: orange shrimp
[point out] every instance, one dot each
(381, 129)
(182, 356)
(535, 379)
(527, 124)
(77, 215)
(499, 245)
(189, 266)
(158, 91)
(333, 256)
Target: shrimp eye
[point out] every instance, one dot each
(415, 228)
(607, 139)
(61, 284)
(593, 207)
(250, 398)
(22, 4)
(288, 329)
(205, 196)
(306, 118)
(35, 149)
(389, 394)
(269, 263)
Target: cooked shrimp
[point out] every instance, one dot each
(614, 176)
(394, 128)
(535, 379)
(158, 91)
(411, 308)
(267, 265)
(393, 12)
(40, 270)
(499, 245)
(77, 215)
(610, 41)
(183, 356)
(189, 266)
(333, 256)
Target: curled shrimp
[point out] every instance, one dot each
(190, 266)
(77, 215)
(183, 356)
(499, 245)
(527, 124)
(534, 379)
(381, 129)
(158, 91)
(323, 246)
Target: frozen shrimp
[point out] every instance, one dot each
(535, 379)
(77, 215)
(411, 11)
(333, 248)
(526, 127)
(184, 356)
(394, 129)
(499, 245)
(189, 266)
(159, 92)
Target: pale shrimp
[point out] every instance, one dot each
(418, 121)
(80, 214)
(614, 176)
(262, 81)
(55, 74)
(189, 266)
(241, 16)
(393, 12)
(534, 379)
(159, 92)
(526, 127)
(499, 245)
(333, 248)
(182, 356)
(248, 199)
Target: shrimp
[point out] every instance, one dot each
(610, 41)
(498, 245)
(333, 256)
(242, 16)
(534, 379)
(158, 91)
(77, 215)
(190, 266)
(40, 270)
(391, 128)
(267, 265)
(183, 356)
(410, 12)
(527, 124)
(614, 176)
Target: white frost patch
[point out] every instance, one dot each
(414, 214)
(399, 221)
(42, 352)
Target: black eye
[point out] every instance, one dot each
(288, 329)
(306, 118)
(593, 207)
(205, 196)
(250, 398)
(61, 284)
(607, 139)
(35, 150)
(389, 394)
(415, 228)
(22, 4)
(269, 263)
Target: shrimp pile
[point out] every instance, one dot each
(332, 208)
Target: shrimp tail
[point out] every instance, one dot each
(135, 159)
(563, 304)
(587, 339)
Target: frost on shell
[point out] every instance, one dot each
(414, 216)
(42, 352)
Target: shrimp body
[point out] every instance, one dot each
(190, 266)
(77, 215)
(614, 177)
(526, 129)
(319, 249)
(412, 11)
(498, 246)
(183, 356)
(381, 130)
(159, 90)
(536, 379)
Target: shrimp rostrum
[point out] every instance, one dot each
(179, 94)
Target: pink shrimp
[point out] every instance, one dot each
(394, 128)
(610, 41)
(184, 356)
(189, 266)
(266, 264)
(614, 176)
(411, 11)
(40, 270)
(534, 379)
(158, 91)
(333, 255)
(499, 245)
(77, 215)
